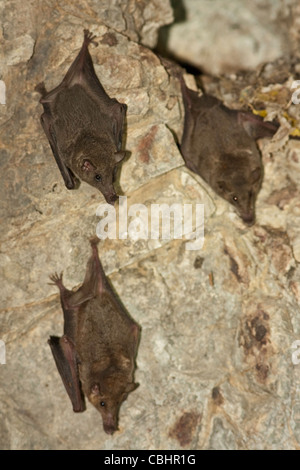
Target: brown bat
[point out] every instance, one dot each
(219, 144)
(95, 356)
(84, 126)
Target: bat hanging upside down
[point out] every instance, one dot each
(219, 144)
(84, 126)
(95, 356)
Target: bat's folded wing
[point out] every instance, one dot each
(64, 354)
(68, 177)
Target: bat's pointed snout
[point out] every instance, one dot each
(110, 429)
(110, 425)
(248, 219)
(111, 198)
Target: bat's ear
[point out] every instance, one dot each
(125, 361)
(255, 175)
(256, 127)
(221, 185)
(119, 156)
(87, 165)
(95, 390)
(130, 387)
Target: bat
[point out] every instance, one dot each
(84, 126)
(219, 144)
(95, 357)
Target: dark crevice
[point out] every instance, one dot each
(163, 39)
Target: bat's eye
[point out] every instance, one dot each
(235, 198)
(102, 403)
(98, 178)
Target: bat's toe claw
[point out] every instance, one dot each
(89, 37)
(56, 279)
(94, 241)
(40, 88)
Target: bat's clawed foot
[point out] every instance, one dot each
(56, 280)
(94, 241)
(40, 88)
(89, 37)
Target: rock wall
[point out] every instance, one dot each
(216, 364)
(221, 37)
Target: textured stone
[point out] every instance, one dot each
(227, 44)
(215, 363)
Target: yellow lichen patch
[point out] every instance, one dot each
(295, 132)
(260, 112)
(290, 119)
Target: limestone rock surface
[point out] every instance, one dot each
(217, 361)
(222, 37)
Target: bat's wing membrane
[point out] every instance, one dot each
(190, 120)
(64, 354)
(114, 110)
(82, 73)
(118, 113)
(65, 172)
(255, 126)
